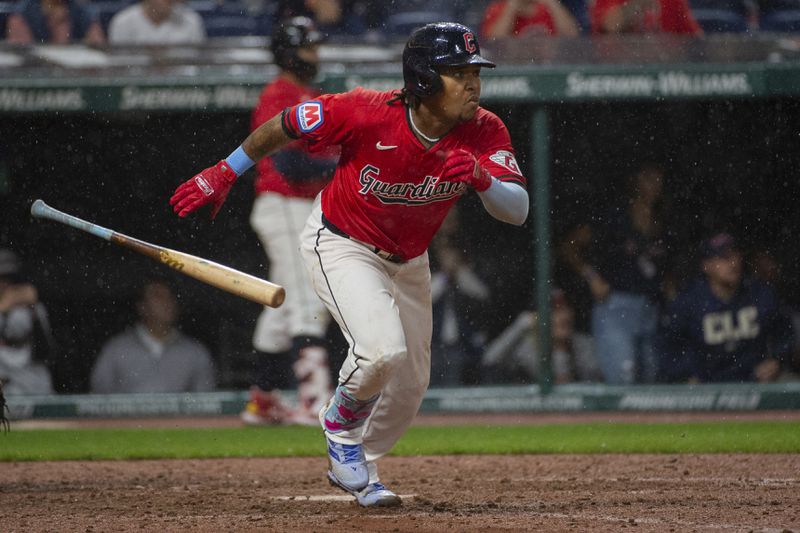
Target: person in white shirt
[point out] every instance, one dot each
(152, 355)
(157, 22)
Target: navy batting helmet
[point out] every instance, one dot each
(292, 34)
(441, 44)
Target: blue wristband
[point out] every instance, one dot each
(239, 161)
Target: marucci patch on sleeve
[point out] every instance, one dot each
(506, 159)
(309, 115)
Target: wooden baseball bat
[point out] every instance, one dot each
(220, 276)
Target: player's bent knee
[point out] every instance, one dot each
(387, 361)
(380, 369)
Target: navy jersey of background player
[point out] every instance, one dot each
(709, 339)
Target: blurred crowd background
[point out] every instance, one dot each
(673, 223)
(377, 21)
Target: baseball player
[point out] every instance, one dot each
(723, 327)
(406, 157)
(287, 183)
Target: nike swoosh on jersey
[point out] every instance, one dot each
(380, 146)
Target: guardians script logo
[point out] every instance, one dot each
(428, 191)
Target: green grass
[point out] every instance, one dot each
(715, 437)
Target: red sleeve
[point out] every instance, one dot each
(490, 16)
(547, 20)
(676, 17)
(323, 121)
(496, 153)
(598, 11)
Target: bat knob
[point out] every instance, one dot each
(38, 208)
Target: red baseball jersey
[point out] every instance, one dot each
(540, 19)
(275, 97)
(387, 189)
(671, 16)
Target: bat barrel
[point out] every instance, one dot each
(225, 278)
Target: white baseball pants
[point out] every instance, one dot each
(278, 221)
(384, 311)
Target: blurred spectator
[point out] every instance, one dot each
(766, 268)
(626, 282)
(326, 14)
(505, 18)
(459, 297)
(157, 22)
(572, 358)
(642, 16)
(152, 355)
(287, 183)
(25, 337)
(354, 17)
(724, 327)
(53, 22)
(573, 254)
(373, 15)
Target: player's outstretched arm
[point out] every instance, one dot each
(505, 201)
(267, 138)
(211, 186)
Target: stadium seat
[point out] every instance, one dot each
(579, 10)
(234, 18)
(722, 16)
(231, 25)
(782, 20)
(405, 22)
(203, 7)
(720, 21)
(404, 17)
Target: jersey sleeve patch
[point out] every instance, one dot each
(310, 116)
(506, 159)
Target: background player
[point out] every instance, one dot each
(287, 183)
(407, 156)
(724, 327)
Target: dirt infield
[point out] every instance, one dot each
(463, 493)
(513, 493)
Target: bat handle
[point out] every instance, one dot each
(39, 209)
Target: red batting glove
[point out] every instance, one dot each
(211, 186)
(460, 165)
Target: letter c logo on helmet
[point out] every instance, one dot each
(437, 45)
(469, 42)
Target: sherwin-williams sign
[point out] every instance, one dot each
(534, 84)
(129, 98)
(671, 83)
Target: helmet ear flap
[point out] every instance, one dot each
(432, 81)
(426, 81)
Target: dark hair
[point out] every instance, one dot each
(406, 98)
(152, 279)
